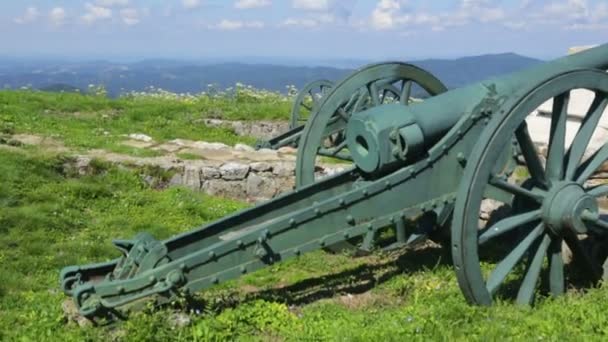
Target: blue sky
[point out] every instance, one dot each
(344, 29)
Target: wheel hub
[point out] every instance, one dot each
(565, 206)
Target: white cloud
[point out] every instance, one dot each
(95, 13)
(388, 14)
(573, 15)
(311, 5)
(57, 16)
(130, 16)
(302, 22)
(392, 14)
(231, 25)
(112, 3)
(191, 4)
(31, 14)
(247, 4)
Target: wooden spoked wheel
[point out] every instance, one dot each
(554, 234)
(371, 86)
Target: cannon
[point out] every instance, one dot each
(310, 97)
(419, 169)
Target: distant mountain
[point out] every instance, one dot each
(462, 71)
(193, 77)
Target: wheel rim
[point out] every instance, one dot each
(307, 100)
(554, 204)
(367, 87)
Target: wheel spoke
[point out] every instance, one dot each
(309, 108)
(582, 138)
(515, 189)
(528, 285)
(406, 91)
(594, 162)
(372, 88)
(337, 149)
(384, 92)
(508, 263)
(530, 154)
(363, 96)
(508, 224)
(557, 139)
(343, 114)
(556, 268)
(598, 191)
(595, 220)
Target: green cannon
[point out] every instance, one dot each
(420, 169)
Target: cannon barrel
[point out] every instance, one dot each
(384, 137)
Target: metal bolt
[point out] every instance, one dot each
(240, 244)
(342, 202)
(292, 222)
(296, 251)
(350, 219)
(317, 212)
(215, 280)
(212, 255)
(243, 269)
(260, 253)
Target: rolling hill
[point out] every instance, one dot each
(182, 76)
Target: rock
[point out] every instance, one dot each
(176, 180)
(203, 145)
(219, 187)
(260, 187)
(243, 148)
(137, 143)
(140, 137)
(284, 169)
(169, 147)
(330, 171)
(213, 122)
(261, 167)
(234, 171)
(288, 150)
(210, 173)
(82, 165)
(71, 313)
(487, 207)
(192, 177)
(179, 320)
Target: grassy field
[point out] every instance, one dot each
(51, 217)
(89, 121)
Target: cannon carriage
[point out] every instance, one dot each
(419, 169)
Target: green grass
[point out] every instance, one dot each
(50, 218)
(88, 121)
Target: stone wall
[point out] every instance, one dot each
(237, 172)
(258, 129)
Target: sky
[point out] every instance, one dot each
(319, 29)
